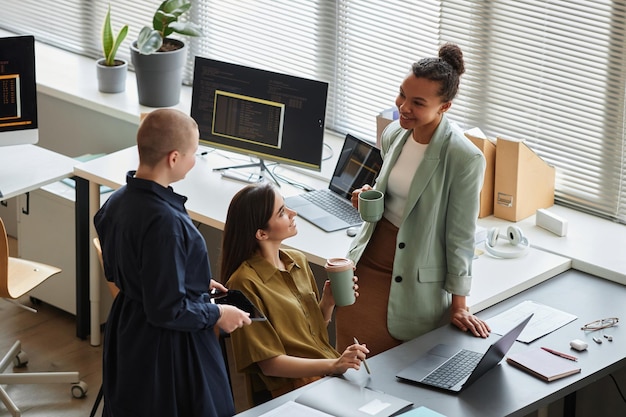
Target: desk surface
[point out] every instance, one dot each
(594, 245)
(508, 391)
(24, 168)
(209, 196)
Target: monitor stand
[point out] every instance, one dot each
(245, 176)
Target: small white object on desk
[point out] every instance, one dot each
(578, 344)
(551, 222)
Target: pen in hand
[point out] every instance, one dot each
(367, 368)
(561, 354)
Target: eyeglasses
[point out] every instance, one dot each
(601, 324)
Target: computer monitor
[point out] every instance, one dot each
(18, 91)
(267, 115)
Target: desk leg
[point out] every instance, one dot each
(94, 267)
(82, 257)
(569, 405)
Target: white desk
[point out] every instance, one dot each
(209, 196)
(496, 279)
(594, 245)
(24, 168)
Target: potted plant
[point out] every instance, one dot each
(159, 59)
(111, 72)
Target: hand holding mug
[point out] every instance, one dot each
(371, 205)
(342, 281)
(355, 195)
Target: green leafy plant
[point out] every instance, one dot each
(111, 43)
(164, 23)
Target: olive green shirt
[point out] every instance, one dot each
(290, 301)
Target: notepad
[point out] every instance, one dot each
(421, 412)
(340, 398)
(542, 364)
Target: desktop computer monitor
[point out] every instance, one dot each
(264, 114)
(18, 91)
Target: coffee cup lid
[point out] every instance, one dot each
(338, 263)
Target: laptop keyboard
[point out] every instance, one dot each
(333, 205)
(449, 373)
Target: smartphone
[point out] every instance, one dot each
(238, 299)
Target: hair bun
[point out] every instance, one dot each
(452, 54)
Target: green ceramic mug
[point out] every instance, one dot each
(371, 205)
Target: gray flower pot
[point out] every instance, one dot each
(111, 79)
(159, 75)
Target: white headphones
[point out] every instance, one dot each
(516, 238)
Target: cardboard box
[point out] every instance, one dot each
(523, 181)
(382, 120)
(488, 148)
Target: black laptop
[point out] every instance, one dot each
(330, 209)
(452, 369)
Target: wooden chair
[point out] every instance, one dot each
(17, 277)
(248, 390)
(114, 291)
(112, 287)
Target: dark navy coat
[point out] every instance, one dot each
(161, 355)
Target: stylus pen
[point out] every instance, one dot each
(367, 368)
(561, 354)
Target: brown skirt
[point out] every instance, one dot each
(366, 319)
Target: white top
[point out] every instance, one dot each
(400, 179)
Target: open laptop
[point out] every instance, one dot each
(330, 209)
(451, 368)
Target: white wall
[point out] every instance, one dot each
(73, 130)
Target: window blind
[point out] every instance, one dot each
(549, 72)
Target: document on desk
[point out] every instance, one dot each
(292, 408)
(545, 320)
(421, 412)
(340, 398)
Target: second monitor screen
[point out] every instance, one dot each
(269, 115)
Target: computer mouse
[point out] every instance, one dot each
(351, 231)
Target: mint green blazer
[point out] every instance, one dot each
(435, 242)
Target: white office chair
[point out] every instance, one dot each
(17, 277)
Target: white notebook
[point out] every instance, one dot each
(337, 397)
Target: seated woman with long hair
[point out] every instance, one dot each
(292, 347)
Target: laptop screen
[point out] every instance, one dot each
(358, 164)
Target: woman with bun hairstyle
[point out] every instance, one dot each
(415, 264)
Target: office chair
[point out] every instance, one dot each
(17, 277)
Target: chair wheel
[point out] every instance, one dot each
(20, 360)
(79, 389)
